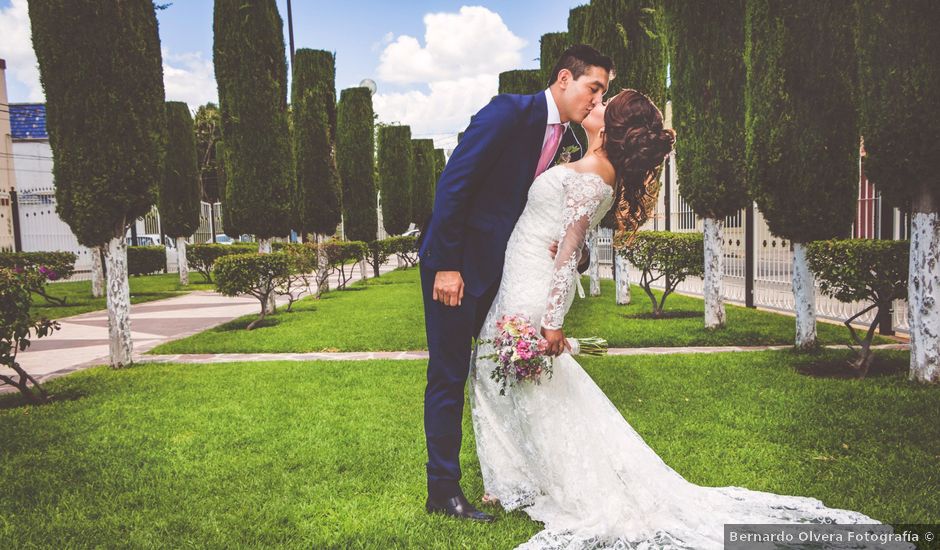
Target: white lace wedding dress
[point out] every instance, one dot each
(561, 451)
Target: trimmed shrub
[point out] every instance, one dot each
(396, 169)
(202, 257)
(658, 254)
(405, 247)
(144, 260)
(864, 270)
(522, 81)
(16, 288)
(340, 254)
(355, 161)
(257, 275)
(302, 258)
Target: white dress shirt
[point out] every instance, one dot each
(553, 116)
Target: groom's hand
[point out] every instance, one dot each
(557, 343)
(448, 288)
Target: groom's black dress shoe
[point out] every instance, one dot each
(457, 507)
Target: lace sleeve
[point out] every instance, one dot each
(582, 199)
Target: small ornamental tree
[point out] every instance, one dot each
(659, 254)
(861, 270)
(801, 130)
(251, 71)
(355, 159)
(180, 192)
(208, 128)
(102, 74)
(426, 174)
(707, 52)
(16, 326)
(396, 174)
(522, 81)
(897, 44)
(317, 190)
(258, 275)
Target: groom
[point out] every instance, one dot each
(478, 200)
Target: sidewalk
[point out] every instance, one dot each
(83, 340)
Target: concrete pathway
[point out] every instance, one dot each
(83, 340)
(423, 355)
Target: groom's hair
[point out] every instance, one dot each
(578, 59)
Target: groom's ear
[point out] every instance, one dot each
(565, 77)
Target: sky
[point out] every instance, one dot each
(435, 63)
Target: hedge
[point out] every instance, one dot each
(144, 260)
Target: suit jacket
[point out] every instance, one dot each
(483, 189)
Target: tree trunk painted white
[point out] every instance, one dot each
(264, 247)
(622, 276)
(322, 268)
(97, 272)
(924, 289)
(362, 269)
(181, 260)
(804, 298)
(714, 271)
(119, 303)
(594, 269)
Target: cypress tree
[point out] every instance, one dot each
(425, 167)
(396, 169)
(577, 24)
(897, 44)
(707, 61)
(251, 71)
(440, 160)
(180, 194)
(208, 128)
(801, 130)
(523, 81)
(317, 190)
(101, 70)
(355, 159)
(551, 46)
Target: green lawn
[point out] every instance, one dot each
(144, 288)
(331, 454)
(386, 314)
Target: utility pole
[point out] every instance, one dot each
(290, 34)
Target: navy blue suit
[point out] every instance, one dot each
(478, 200)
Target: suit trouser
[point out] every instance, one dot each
(450, 331)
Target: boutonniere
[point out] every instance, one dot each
(565, 156)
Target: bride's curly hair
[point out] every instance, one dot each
(636, 144)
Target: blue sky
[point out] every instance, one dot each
(433, 71)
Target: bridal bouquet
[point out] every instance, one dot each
(519, 352)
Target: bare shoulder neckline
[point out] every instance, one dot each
(596, 175)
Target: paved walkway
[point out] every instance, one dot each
(83, 340)
(423, 355)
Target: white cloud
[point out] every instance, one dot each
(446, 109)
(460, 62)
(189, 77)
(16, 47)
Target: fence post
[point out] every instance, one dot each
(667, 198)
(749, 255)
(14, 206)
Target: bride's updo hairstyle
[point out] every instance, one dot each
(636, 144)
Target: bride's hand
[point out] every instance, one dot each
(553, 249)
(557, 343)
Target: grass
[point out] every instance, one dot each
(331, 454)
(386, 314)
(145, 288)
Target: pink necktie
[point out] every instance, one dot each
(548, 150)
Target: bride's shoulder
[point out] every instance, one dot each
(584, 175)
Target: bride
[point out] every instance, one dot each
(561, 451)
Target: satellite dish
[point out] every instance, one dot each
(369, 83)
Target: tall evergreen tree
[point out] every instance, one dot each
(251, 71)
(396, 170)
(897, 43)
(208, 128)
(317, 189)
(551, 46)
(355, 150)
(425, 167)
(523, 81)
(101, 70)
(440, 160)
(707, 62)
(180, 194)
(801, 130)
